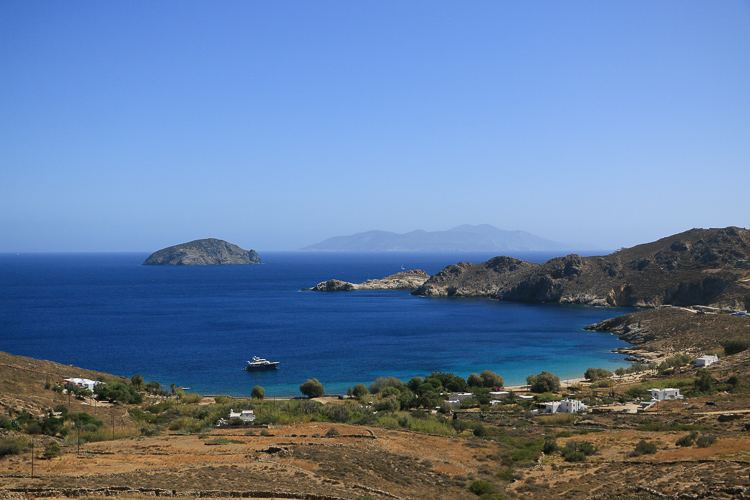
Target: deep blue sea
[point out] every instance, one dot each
(197, 326)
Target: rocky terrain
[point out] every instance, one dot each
(207, 252)
(406, 280)
(670, 330)
(700, 266)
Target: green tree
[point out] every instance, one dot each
(52, 450)
(382, 382)
(312, 388)
(360, 391)
(596, 374)
(258, 392)
(137, 380)
(544, 382)
(491, 379)
(475, 380)
(704, 383)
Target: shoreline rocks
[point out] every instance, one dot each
(405, 280)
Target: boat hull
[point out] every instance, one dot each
(258, 368)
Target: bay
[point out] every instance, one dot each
(197, 326)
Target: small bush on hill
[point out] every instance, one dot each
(13, 446)
(687, 440)
(481, 487)
(52, 450)
(643, 448)
(735, 346)
(705, 441)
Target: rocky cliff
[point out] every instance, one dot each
(407, 280)
(700, 266)
(207, 252)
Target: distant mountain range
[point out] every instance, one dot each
(465, 238)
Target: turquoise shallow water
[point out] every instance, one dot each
(197, 326)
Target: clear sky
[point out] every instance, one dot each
(135, 125)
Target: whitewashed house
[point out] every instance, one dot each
(459, 396)
(565, 406)
(82, 383)
(706, 360)
(244, 415)
(665, 394)
(526, 397)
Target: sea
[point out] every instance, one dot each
(197, 326)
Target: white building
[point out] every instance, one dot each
(526, 397)
(459, 396)
(565, 406)
(82, 383)
(244, 415)
(706, 360)
(665, 394)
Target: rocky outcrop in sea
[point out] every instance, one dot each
(206, 252)
(406, 280)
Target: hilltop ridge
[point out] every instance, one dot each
(465, 238)
(699, 266)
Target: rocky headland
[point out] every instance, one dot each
(709, 267)
(206, 252)
(406, 280)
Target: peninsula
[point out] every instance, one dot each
(206, 252)
(707, 267)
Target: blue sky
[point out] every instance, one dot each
(132, 126)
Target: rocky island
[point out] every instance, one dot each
(709, 267)
(206, 252)
(407, 280)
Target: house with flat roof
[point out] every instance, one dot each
(706, 360)
(244, 415)
(666, 394)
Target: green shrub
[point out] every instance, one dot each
(735, 346)
(687, 440)
(13, 446)
(337, 413)
(150, 430)
(644, 448)
(705, 441)
(481, 487)
(192, 398)
(222, 400)
(52, 450)
(549, 446)
(480, 430)
(332, 432)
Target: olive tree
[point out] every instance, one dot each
(312, 388)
